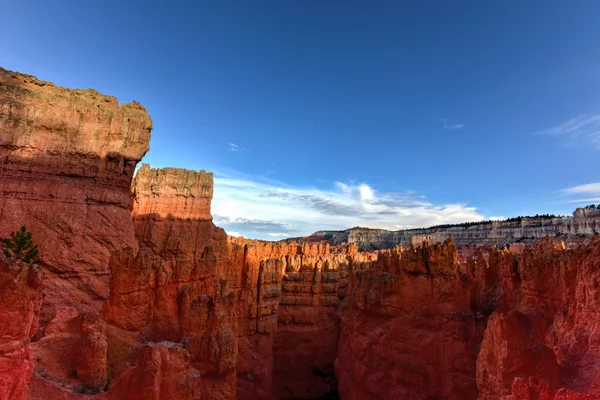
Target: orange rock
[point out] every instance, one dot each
(407, 330)
(150, 300)
(20, 301)
(163, 371)
(73, 351)
(67, 158)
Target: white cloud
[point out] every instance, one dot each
(232, 233)
(257, 208)
(587, 189)
(584, 194)
(451, 127)
(582, 130)
(235, 147)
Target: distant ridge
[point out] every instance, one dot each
(584, 222)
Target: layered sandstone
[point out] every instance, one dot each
(584, 222)
(67, 158)
(289, 296)
(162, 372)
(172, 193)
(421, 324)
(73, 351)
(176, 287)
(20, 301)
(146, 298)
(408, 330)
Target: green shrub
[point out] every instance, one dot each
(20, 246)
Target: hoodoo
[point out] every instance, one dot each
(137, 294)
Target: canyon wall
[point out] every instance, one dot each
(141, 296)
(67, 158)
(421, 324)
(585, 222)
(20, 302)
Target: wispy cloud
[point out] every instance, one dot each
(586, 193)
(235, 147)
(256, 208)
(450, 126)
(582, 130)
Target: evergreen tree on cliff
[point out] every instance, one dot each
(21, 246)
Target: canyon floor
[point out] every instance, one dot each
(138, 295)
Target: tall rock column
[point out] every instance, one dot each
(179, 286)
(67, 158)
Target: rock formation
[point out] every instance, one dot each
(142, 296)
(585, 222)
(408, 331)
(67, 158)
(20, 302)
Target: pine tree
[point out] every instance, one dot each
(20, 246)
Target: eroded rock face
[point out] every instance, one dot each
(585, 222)
(177, 287)
(421, 324)
(20, 302)
(161, 304)
(73, 351)
(543, 340)
(172, 192)
(67, 158)
(162, 372)
(288, 329)
(407, 329)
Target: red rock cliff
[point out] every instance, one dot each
(177, 288)
(419, 324)
(20, 301)
(67, 158)
(161, 304)
(407, 328)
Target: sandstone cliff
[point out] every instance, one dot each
(146, 298)
(421, 324)
(67, 158)
(20, 301)
(584, 222)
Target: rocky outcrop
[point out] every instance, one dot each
(176, 287)
(162, 372)
(73, 351)
(584, 222)
(407, 329)
(67, 158)
(20, 301)
(419, 323)
(543, 337)
(172, 193)
(289, 330)
(146, 298)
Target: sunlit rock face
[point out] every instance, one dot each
(143, 297)
(67, 158)
(585, 222)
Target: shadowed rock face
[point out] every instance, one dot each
(20, 301)
(67, 158)
(146, 298)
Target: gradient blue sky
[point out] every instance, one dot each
(333, 114)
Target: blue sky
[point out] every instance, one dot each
(334, 114)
